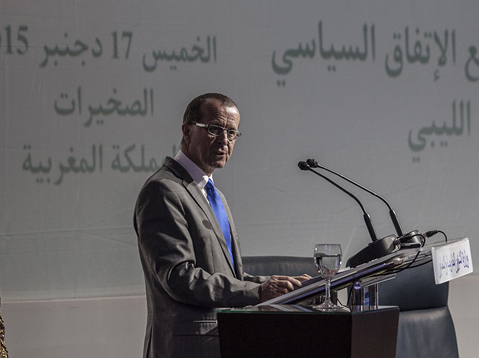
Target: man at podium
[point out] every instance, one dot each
(187, 239)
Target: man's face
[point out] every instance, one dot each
(207, 151)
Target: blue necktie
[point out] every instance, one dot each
(220, 213)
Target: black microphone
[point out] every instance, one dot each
(375, 249)
(410, 239)
(314, 164)
(367, 218)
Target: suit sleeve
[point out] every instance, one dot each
(179, 251)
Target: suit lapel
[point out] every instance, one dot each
(202, 202)
(234, 242)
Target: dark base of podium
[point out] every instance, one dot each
(370, 334)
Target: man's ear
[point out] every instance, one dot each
(186, 129)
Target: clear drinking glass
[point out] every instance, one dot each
(327, 258)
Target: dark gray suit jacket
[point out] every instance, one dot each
(188, 272)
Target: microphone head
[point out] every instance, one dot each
(312, 163)
(303, 165)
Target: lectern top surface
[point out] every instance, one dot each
(382, 266)
(301, 309)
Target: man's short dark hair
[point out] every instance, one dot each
(193, 110)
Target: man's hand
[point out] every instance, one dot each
(279, 285)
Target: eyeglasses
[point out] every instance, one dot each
(216, 130)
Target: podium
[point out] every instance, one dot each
(287, 326)
(297, 331)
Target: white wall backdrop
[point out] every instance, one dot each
(92, 97)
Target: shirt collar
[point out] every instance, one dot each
(193, 170)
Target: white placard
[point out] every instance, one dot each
(452, 261)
